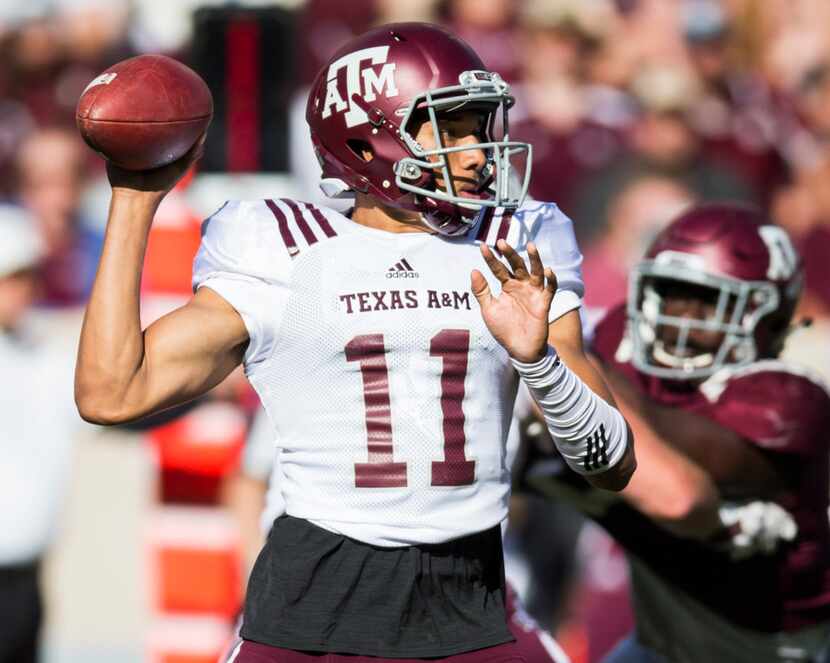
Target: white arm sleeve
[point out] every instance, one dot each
(590, 435)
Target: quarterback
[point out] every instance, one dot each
(387, 364)
(693, 359)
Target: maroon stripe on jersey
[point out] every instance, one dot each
(504, 228)
(301, 222)
(484, 228)
(285, 231)
(322, 220)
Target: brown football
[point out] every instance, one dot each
(144, 112)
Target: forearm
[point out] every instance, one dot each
(615, 478)
(589, 432)
(668, 488)
(565, 337)
(111, 347)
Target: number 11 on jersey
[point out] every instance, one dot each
(381, 471)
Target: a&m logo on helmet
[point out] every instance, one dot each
(783, 259)
(362, 79)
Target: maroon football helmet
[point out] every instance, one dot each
(377, 90)
(737, 259)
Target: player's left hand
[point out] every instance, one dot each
(518, 317)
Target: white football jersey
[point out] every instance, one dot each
(390, 399)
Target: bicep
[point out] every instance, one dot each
(668, 486)
(188, 352)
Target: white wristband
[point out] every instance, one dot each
(590, 434)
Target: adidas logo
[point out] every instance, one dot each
(401, 270)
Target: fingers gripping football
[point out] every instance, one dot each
(160, 179)
(518, 316)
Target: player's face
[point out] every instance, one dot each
(460, 129)
(688, 300)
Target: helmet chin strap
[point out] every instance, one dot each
(439, 222)
(666, 358)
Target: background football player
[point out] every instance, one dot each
(390, 393)
(692, 358)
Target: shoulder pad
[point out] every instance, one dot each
(300, 224)
(241, 239)
(258, 239)
(514, 226)
(552, 232)
(777, 406)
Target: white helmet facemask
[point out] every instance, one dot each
(506, 175)
(738, 308)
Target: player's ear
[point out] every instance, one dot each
(362, 149)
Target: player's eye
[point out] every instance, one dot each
(461, 129)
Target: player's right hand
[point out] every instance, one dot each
(517, 317)
(158, 181)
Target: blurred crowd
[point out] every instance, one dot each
(635, 109)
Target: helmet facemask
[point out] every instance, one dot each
(739, 306)
(506, 175)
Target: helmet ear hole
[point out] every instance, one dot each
(418, 118)
(361, 149)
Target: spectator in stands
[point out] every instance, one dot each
(37, 420)
(575, 127)
(491, 28)
(31, 57)
(323, 27)
(50, 170)
(660, 143)
(736, 116)
(53, 49)
(638, 212)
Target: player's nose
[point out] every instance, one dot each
(472, 158)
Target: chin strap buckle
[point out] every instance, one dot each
(373, 113)
(376, 117)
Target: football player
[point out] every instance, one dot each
(390, 387)
(254, 496)
(692, 360)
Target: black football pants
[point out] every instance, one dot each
(20, 613)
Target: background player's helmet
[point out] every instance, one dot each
(376, 90)
(755, 277)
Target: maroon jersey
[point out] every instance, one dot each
(786, 413)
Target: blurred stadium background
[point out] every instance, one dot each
(635, 108)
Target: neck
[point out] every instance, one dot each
(370, 212)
